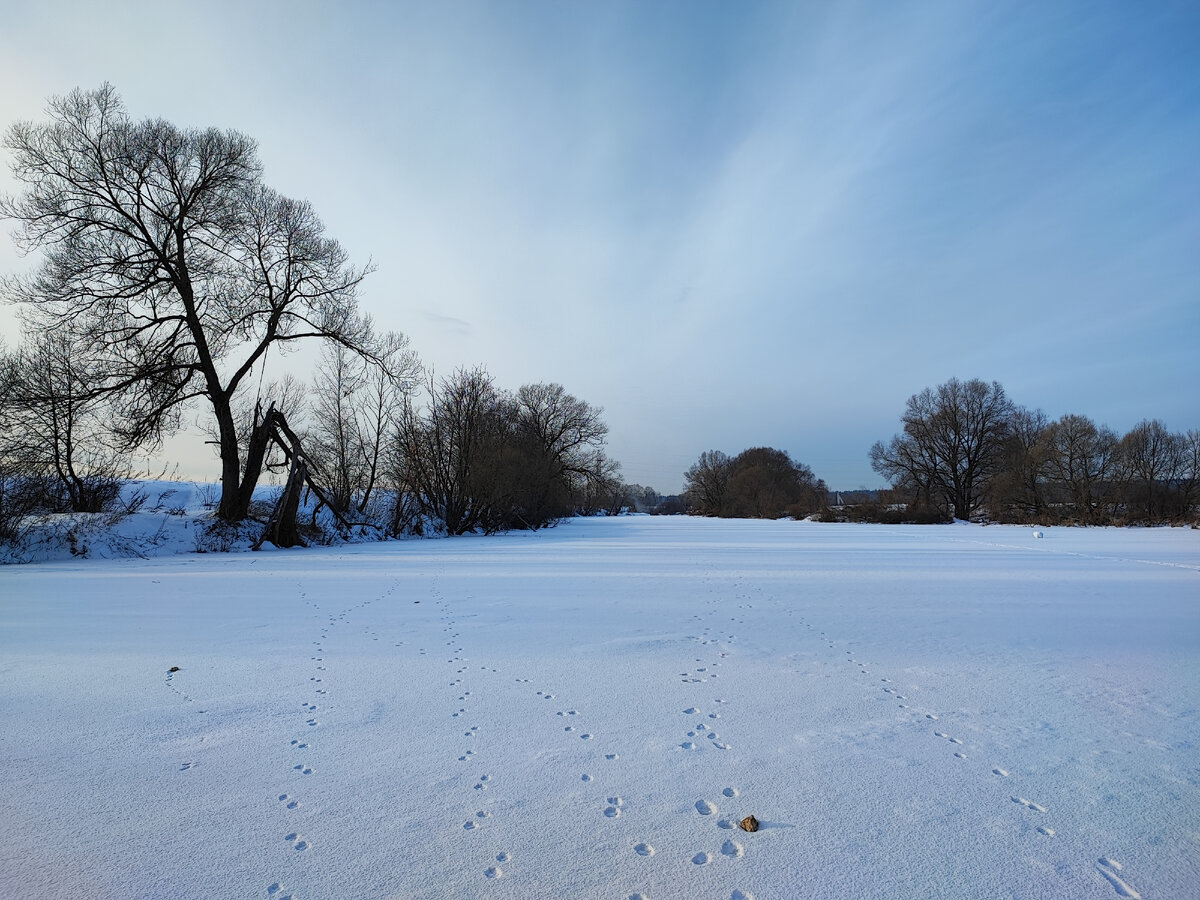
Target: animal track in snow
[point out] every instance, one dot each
(612, 812)
(701, 859)
(643, 850)
(297, 842)
(1049, 832)
(1029, 804)
(705, 808)
(183, 767)
(275, 890)
(732, 849)
(1109, 868)
(494, 872)
(730, 792)
(1003, 773)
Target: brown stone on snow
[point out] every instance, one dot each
(748, 824)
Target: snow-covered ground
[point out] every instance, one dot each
(587, 712)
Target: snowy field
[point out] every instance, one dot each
(913, 712)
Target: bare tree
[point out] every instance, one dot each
(912, 472)
(355, 404)
(603, 493)
(444, 448)
(380, 405)
(1189, 476)
(559, 442)
(1017, 490)
(336, 439)
(58, 427)
(1081, 461)
(952, 442)
(1153, 459)
(163, 250)
(19, 490)
(707, 483)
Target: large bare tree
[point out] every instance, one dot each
(164, 251)
(1082, 461)
(1153, 459)
(952, 443)
(446, 452)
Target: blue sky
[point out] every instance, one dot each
(729, 224)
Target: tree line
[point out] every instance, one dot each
(168, 273)
(966, 450)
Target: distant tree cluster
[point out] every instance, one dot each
(759, 483)
(476, 458)
(168, 273)
(966, 450)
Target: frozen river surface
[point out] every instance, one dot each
(588, 712)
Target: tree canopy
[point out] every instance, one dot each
(165, 253)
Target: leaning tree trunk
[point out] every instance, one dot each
(256, 455)
(281, 529)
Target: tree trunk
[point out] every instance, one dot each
(230, 508)
(256, 455)
(281, 530)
